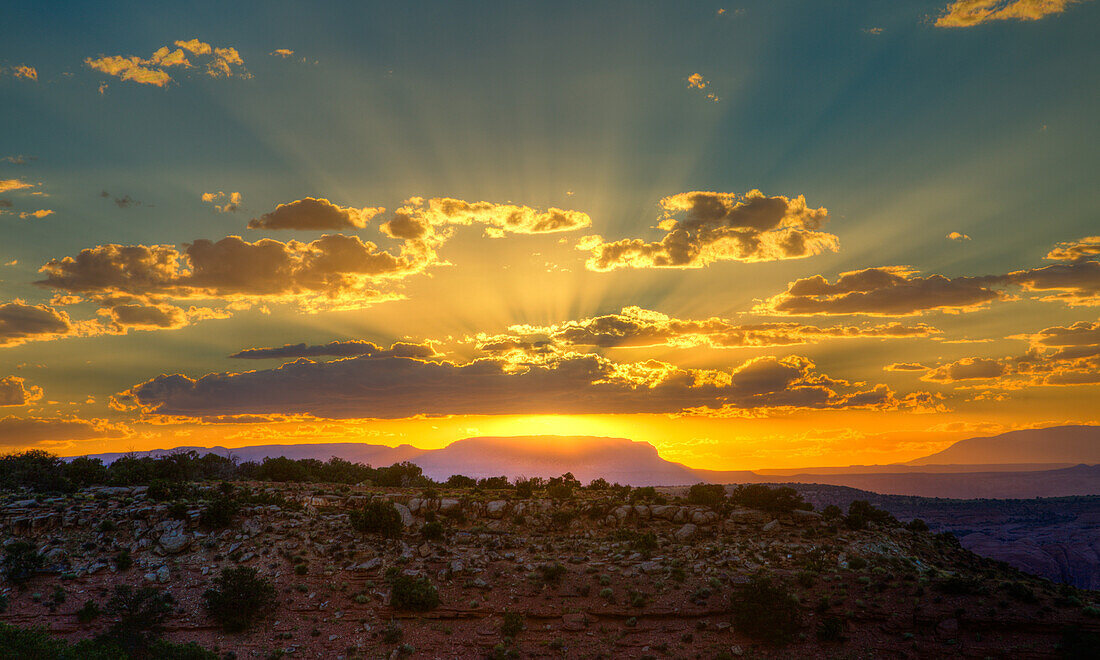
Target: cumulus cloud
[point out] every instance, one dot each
(14, 392)
(705, 227)
(396, 387)
(20, 323)
(967, 13)
(154, 70)
(498, 219)
(18, 431)
(905, 366)
(637, 327)
(966, 369)
(230, 202)
(38, 215)
(332, 272)
(339, 349)
(1076, 282)
(883, 291)
(313, 214)
(22, 71)
(147, 316)
(956, 236)
(7, 185)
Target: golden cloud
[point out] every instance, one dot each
(967, 13)
(314, 214)
(14, 392)
(217, 62)
(705, 227)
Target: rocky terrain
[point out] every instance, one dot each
(592, 574)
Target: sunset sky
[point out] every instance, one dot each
(754, 234)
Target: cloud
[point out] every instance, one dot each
(636, 327)
(123, 202)
(340, 349)
(39, 214)
(313, 214)
(705, 227)
(7, 185)
(282, 52)
(18, 159)
(696, 81)
(26, 431)
(956, 236)
(396, 387)
(967, 13)
(232, 201)
(162, 317)
(1086, 248)
(217, 62)
(966, 369)
(20, 323)
(14, 392)
(332, 272)
(499, 219)
(23, 72)
(883, 291)
(905, 366)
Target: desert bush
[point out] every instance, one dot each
(560, 491)
(958, 585)
(88, 613)
(861, 512)
(857, 563)
(433, 531)
(917, 525)
(643, 494)
(21, 561)
(644, 543)
(599, 483)
(712, 495)
(513, 624)
(219, 512)
(379, 518)
(832, 512)
(494, 483)
(560, 519)
(763, 498)
(239, 599)
(413, 594)
(461, 481)
(123, 561)
(766, 610)
(140, 615)
(1019, 591)
(550, 573)
(393, 632)
(830, 629)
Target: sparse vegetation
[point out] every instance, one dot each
(766, 610)
(239, 599)
(380, 518)
(416, 594)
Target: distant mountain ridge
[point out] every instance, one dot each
(638, 464)
(1056, 444)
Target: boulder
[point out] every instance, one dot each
(686, 533)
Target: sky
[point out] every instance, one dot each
(754, 234)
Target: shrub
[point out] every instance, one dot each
(461, 481)
(857, 563)
(88, 613)
(525, 488)
(861, 512)
(514, 623)
(917, 525)
(239, 599)
(392, 633)
(772, 500)
(1020, 592)
(379, 518)
(141, 614)
(831, 629)
(162, 490)
(432, 531)
(218, 514)
(494, 483)
(123, 561)
(764, 609)
(561, 519)
(414, 594)
(560, 491)
(961, 586)
(711, 495)
(832, 512)
(21, 562)
(551, 573)
(644, 543)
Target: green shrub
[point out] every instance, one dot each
(140, 615)
(414, 594)
(772, 500)
(831, 629)
(917, 525)
(21, 561)
(514, 623)
(561, 519)
(433, 531)
(219, 512)
(832, 512)
(765, 610)
(392, 633)
(460, 481)
(560, 491)
(239, 599)
(550, 573)
(381, 518)
(857, 563)
(861, 512)
(1020, 592)
(712, 495)
(123, 561)
(88, 613)
(644, 543)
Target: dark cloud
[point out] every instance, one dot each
(395, 387)
(1086, 248)
(883, 291)
(966, 369)
(1074, 283)
(24, 431)
(704, 227)
(14, 392)
(314, 214)
(148, 316)
(905, 366)
(20, 322)
(342, 349)
(637, 327)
